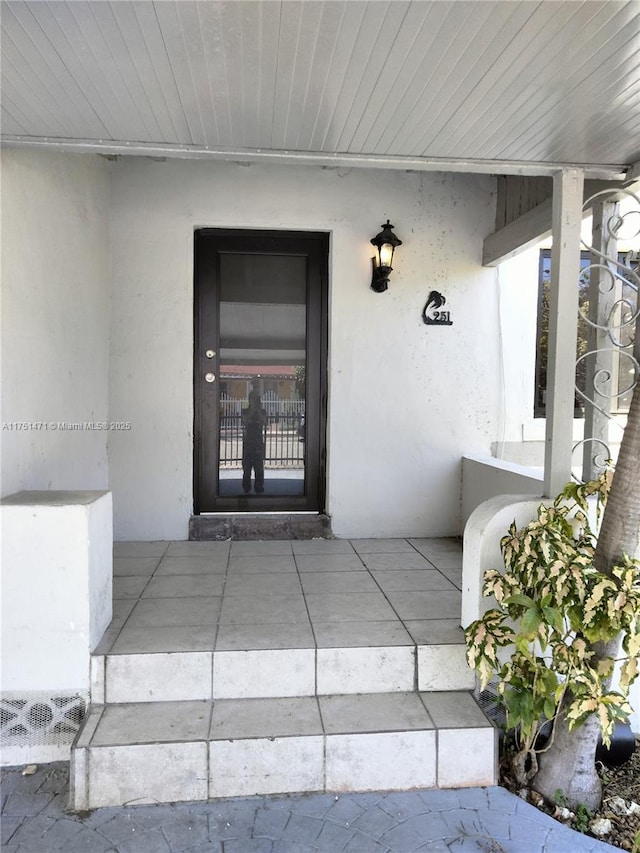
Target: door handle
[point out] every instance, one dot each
(209, 377)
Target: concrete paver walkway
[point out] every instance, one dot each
(35, 820)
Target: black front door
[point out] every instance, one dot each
(259, 370)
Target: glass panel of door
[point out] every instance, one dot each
(262, 313)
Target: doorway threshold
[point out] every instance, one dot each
(243, 526)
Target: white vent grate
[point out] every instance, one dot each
(31, 719)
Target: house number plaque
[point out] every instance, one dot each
(434, 313)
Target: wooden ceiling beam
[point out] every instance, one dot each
(533, 226)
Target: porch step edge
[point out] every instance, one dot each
(198, 750)
(271, 673)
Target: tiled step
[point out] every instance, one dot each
(265, 673)
(199, 749)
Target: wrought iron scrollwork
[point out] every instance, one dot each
(613, 364)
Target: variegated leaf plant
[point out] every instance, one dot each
(552, 607)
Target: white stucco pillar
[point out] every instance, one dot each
(55, 604)
(563, 329)
(56, 587)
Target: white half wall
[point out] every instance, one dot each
(406, 401)
(486, 477)
(485, 528)
(55, 320)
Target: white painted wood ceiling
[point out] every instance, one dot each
(542, 82)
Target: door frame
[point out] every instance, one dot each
(207, 244)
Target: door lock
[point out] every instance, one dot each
(210, 353)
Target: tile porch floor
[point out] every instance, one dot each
(281, 666)
(234, 596)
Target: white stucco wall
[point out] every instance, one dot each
(55, 280)
(406, 401)
(518, 288)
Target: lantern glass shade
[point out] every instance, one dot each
(386, 255)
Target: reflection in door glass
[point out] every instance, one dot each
(262, 313)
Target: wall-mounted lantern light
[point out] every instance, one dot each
(385, 243)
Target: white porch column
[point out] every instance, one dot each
(563, 315)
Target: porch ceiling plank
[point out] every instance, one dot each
(181, 59)
(331, 50)
(147, 86)
(301, 24)
(339, 55)
(595, 140)
(530, 60)
(17, 106)
(268, 66)
(487, 74)
(596, 128)
(627, 99)
(364, 29)
(213, 43)
(228, 55)
(346, 32)
(212, 40)
(389, 44)
(158, 76)
(258, 26)
(75, 35)
(400, 95)
(567, 101)
(9, 120)
(88, 36)
(42, 78)
(429, 92)
(290, 21)
(557, 86)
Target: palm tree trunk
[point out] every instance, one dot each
(569, 768)
(620, 531)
